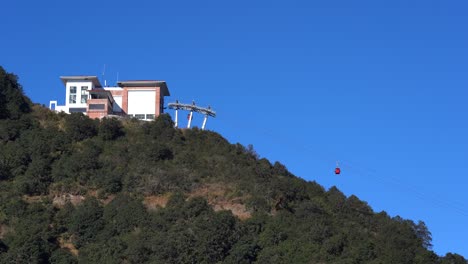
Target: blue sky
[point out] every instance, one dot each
(380, 86)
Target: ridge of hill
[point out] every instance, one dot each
(77, 190)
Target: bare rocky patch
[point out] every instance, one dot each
(154, 202)
(217, 196)
(68, 245)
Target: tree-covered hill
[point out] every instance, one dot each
(76, 190)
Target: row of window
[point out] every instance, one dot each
(142, 116)
(84, 96)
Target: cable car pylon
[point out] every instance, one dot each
(192, 108)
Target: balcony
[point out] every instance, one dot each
(99, 105)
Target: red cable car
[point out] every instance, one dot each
(337, 169)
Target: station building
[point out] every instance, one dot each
(141, 99)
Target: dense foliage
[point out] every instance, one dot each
(112, 166)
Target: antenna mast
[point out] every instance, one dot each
(103, 75)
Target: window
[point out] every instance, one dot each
(72, 99)
(142, 116)
(84, 88)
(84, 96)
(77, 110)
(97, 106)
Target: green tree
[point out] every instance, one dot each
(32, 241)
(79, 127)
(86, 222)
(123, 214)
(423, 233)
(62, 256)
(452, 258)
(13, 103)
(110, 128)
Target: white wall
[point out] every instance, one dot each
(117, 104)
(78, 85)
(141, 102)
(60, 108)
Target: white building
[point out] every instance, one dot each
(143, 99)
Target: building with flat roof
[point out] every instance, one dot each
(142, 99)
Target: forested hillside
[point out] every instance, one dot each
(76, 190)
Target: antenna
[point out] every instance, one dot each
(117, 79)
(103, 75)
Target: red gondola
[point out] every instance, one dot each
(337, 169)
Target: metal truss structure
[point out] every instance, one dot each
(192, 108)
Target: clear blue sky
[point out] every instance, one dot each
(380, 86)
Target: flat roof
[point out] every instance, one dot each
(146, 83)
(91, 78)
